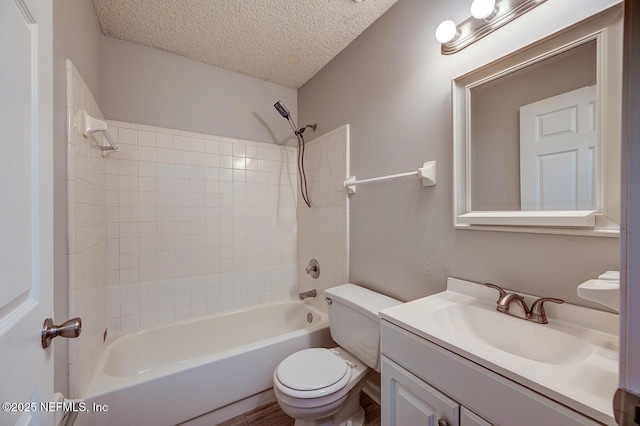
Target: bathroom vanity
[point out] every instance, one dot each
(452, 359)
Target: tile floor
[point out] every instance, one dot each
(272, 415)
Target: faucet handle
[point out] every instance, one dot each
(500, 289)
(537, 313)
(313, 269)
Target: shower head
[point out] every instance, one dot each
(282, 109)
(303, 178)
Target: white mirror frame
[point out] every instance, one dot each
(606, 29)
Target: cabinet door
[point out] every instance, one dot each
(408, 401)
(469, 418)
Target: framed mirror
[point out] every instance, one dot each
(537, 135)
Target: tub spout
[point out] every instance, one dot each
(305, 294)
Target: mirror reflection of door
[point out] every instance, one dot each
(495, 122)
(558, 151)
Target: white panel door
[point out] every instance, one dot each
(630, 226)
(408, 401)
(26, 216)
(557, 152)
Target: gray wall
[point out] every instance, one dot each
(77, 36)
(148, 86)
(392, 86)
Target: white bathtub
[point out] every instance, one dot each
(170, 374)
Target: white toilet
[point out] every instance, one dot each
(322, 386)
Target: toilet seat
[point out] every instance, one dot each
(312, 373)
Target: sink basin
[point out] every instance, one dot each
(516, 336)
(572, 360)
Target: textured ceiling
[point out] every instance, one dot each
(283, 41)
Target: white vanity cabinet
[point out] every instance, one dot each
(469, 418)
(423, 383)
(407, 400)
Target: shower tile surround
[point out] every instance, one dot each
(323, 229)
(87, 235)
(197, 224)
(178, 224)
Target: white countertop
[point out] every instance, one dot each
(585, 382)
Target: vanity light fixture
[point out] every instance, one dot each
(487, 16)
(483, 9)
(446, 31)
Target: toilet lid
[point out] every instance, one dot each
(311, 369)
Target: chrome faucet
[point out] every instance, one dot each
(537, 313)
(305, 294)
(313, 269)
(513, 304)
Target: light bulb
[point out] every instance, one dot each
(446, 31)
(480, 9)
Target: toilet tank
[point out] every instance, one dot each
(354, 320)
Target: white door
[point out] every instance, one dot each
(558, 152)
(26, 215)
(626, 409)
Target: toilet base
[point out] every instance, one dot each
(339, 409)
(356, 420)
(350, 413)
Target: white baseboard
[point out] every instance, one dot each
(225, 413)
(232, 410)
(372, 390)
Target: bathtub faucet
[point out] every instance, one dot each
(305, 294)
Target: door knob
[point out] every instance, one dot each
(442, 422)
(69, 329)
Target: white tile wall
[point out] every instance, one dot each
(323, 229)
(197, 224)
(179, 224)
(87, 249)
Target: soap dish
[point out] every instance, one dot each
(605, 292)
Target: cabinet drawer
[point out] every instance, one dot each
(493, 397)
(468, 418)
(408, 401)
